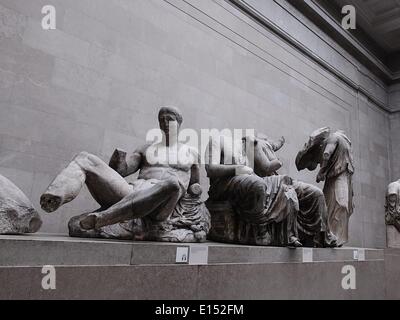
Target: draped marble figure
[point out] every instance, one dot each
(393, 205)
(163, 204)
(333, 152)
(261, 198)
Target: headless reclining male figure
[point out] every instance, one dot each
(162, 182)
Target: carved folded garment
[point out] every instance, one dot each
(273, 199)
(393, 205)
(189, 222)
(339, 199)
(258, 200)
(312, 215)
(342, 159)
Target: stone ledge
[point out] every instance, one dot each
(45, 249)
(112, 269)
(206, 282)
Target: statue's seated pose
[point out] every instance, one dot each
(268, 209)
(162, 204)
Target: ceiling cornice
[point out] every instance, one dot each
(314, 11)
(343, 38)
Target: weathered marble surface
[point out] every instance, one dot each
(393, 205)
(227, 226)
(17, 214)
(189, 222)
(261, 207)
(163, 204)
(333, 152)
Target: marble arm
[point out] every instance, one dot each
(264, 167)
(195, 188)
(195, 170)
(194, 174)
(275, 145)
(124, 166)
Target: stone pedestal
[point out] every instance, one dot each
(392, 237)
(112, 269)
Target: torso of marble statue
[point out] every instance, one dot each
(249, 152)
(172, 162)
(226, 150)
(341, 158)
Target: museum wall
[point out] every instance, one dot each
(394, 101)
(96, 83)
(395, 138)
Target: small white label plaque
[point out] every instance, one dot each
(198, 255)
(307, 255)
(182, 255)
(361, 254)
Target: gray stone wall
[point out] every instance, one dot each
(394, 101)
(394, 96)
(395, 145)
(97, 81)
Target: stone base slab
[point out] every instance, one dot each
(110, 269)
(393, 237)
(39, 250)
